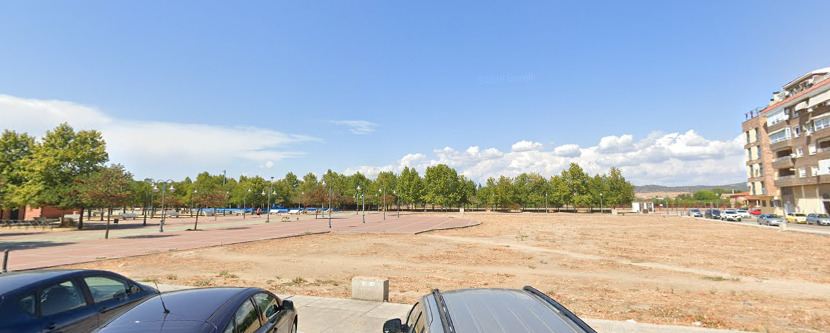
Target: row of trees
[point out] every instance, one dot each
(66, 169)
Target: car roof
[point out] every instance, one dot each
(25, 279)
(187, 305)
(504, 310)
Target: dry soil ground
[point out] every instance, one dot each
(666, 270)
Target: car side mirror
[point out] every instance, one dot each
(134, 289)
(393, 326)
(286, 304)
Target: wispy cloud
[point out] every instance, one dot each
(359, 127)
(158, 149)
(670, 159)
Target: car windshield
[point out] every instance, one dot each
(772, 216)
(823, 215)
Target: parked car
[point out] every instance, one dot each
(694, 212)
(822, 219)
(221, 309)
(771, 219)
(730, 215)
(712, 214)
(755, 212)
(473, 310)
(65, 300)
(743, 213)
(796, 218)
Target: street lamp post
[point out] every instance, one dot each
(363, 198)
(383, 192)
(163, 191)
(268, 209)
(600, 202)
(546, 202)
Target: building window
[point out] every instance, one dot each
(795, 114)
(811, 149)
(796, 131)
(814, 170)
(802, 172)
(760, 170)
(756, 133)
(820, 123)
(779, 136)
(799, 152)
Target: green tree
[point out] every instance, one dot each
(106, 187)
(620, 191)
(15, 156)
(442, 186)
(410, 187)
(61, 157)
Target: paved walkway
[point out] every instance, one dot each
(34, 248)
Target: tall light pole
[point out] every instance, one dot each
(163, 191)
(546, 202)
(364, 202)
(268, 209)
(600, 202)
(383, 192)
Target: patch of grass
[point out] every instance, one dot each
(226, 274)
(100, 258)
(531, 266)
(521, 237)
(298, 280)
(153, 280)
(203, 282)
(721, 278)
(543, 262)
(307, 233)
(172, 277)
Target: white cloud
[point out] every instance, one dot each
(525, 146)
(359, 127)
(156, 149)
(669, 159)
(567, 151)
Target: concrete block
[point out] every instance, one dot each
(370, 288)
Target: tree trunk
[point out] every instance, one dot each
(107, 233)
(196, 225)
(81, 219)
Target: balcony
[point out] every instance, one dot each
(781, 144)
(783, 162)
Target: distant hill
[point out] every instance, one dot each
(738, 187)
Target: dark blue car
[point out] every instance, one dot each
(64, 300)
(221, 309)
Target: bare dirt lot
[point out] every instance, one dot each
(665, 270)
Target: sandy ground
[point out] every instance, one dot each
(655, 269)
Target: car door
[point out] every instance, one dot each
(63, 308)
(110, 295)
(274, 319)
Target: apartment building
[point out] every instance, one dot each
(788, 146)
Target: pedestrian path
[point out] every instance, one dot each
(33, 248)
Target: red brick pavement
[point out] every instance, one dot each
(33, 249)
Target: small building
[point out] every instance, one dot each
(643, 207)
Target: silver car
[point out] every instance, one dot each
(771, 219)
(822, 219)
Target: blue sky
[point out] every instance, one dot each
(658, 88)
